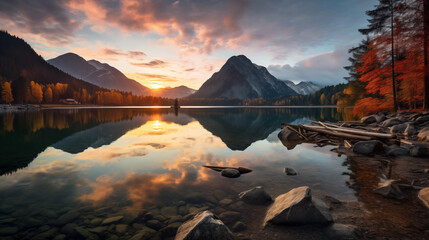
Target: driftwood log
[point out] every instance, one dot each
(323, 134)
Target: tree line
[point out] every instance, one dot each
(389, 69)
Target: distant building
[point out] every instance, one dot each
(69, 101)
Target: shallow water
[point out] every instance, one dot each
(61, 167)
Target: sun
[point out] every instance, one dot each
(155, 86)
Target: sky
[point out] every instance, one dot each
(164, 43)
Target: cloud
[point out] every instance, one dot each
(157, 77)
(153, 64)
(323, 69)
(50, 19)
(117, 52)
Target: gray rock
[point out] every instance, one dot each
(422, 119)
(398, 152)
(410, 130)
(390, 189)
(424, 134)
(368, 119)
(380, 117)
(239, 226)
(206, 226)
(297, 207)
(399, 128)
(112, 220)
(419, 150)
(368, 147)
(230, 173)
(230, 217)
(290, 171)
(67, 218)
(341, 231)
(256, 195)
(287, 135)
(424, 196)
(391, 122)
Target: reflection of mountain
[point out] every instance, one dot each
(240, 127)
(98, 136)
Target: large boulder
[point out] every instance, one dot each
(424, 196)
(297, 207)
(368, 147)
(424, 134)
(256, 195)
(230, 173)
(390, 189)
(204, 226)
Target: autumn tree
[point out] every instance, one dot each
(6, 92)
(381, 22)
(48, 94)
(36, 92)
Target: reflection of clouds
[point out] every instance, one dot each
(154, 145)
(110, 153)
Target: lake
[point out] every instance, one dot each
(110, 173)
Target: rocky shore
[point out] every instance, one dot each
(17, 107)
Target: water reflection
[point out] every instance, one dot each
(146, 164)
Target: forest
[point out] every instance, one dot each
(389, 69)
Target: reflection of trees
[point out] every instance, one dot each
(391, 218)
(24, 135)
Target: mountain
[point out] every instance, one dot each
(176, 92)
(100, 74)
(303, 88)
(18, 59)
(240, 78)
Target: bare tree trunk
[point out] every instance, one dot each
(395, 102)
(425, 52)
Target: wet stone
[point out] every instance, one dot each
(256, 195)
(390, 189)
(230, 173)
(155, 224)
(239, 226)
(96, 221)
(289, 171)
(112, 220)
(419, 150)
(68, 228)
(225, 201)
(397, 152)
(169, 211)
(230, 217)
(67, 218)
(98, 230)
(341, 231)
(121, 228)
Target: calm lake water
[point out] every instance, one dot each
(119, 172)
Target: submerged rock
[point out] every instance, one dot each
(290, 171)
(230, 173)
(424, 196)
(204, 226)
(112, 220)
(256, 195)
(390, 189)
(368, 147)
(239, 226)
(341, 231)
(298, 207)
(230, 217)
